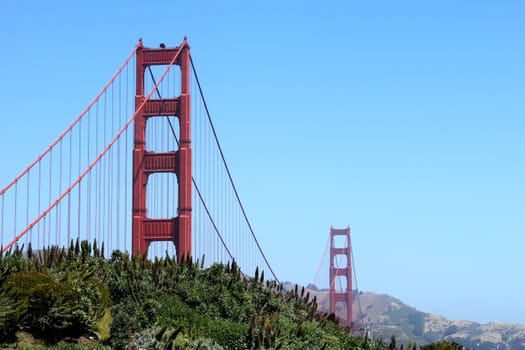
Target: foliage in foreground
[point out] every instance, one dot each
(74, 295)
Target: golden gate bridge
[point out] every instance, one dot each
(142, 170)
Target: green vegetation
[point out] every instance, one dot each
(442, 345)
(75, 298)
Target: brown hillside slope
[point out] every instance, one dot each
(385, 316)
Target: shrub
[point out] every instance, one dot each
(50, 309)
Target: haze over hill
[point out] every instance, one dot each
(384, 316)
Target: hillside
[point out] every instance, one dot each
(75, 298)
(386, 315)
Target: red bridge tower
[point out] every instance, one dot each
(338, 295)
(145, 163)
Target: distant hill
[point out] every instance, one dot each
(385, 316)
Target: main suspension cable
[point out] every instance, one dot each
(228, 170)
(41, 156)
(314, 281)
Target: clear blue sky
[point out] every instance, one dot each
(402, 119)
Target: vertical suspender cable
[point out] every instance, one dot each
(98, 179)
(126, 161)
(50, 195)
(80, 183)
(16, 196)
(27, 200)
(110, 172)
(69, 194)
(57, 210)
(104, 167)
(88, 185)
(117, 224)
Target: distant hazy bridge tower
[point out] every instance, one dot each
(341, 272)
(146, 162)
